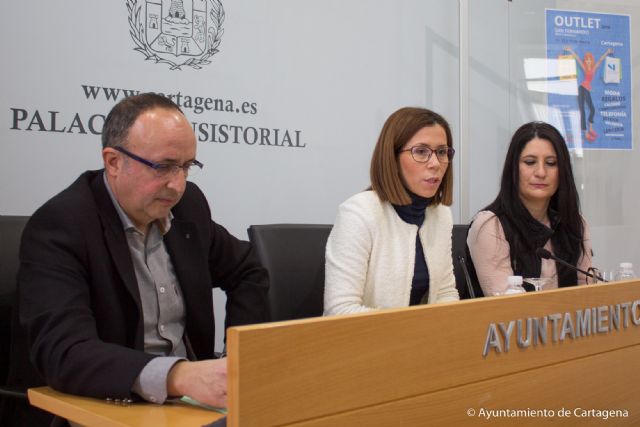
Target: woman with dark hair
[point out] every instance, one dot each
(390, 246)
(537, 207)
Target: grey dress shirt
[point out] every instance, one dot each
(163, 307)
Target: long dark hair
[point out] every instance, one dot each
(564, 207)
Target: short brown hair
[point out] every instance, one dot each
(399, 128)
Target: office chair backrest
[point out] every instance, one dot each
(293, 254)
(10, 233)
(16, 371)
(463, 270)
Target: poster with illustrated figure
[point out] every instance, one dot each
(589, 55)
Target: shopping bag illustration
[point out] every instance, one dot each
(612, 70)
(566, 67)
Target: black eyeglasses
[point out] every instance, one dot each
(422, 153)
(164, 170)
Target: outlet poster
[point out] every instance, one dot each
(589, 64)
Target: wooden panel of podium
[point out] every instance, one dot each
(425, 365)
(570, 358)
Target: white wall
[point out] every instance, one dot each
(332, 71)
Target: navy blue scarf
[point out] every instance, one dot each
(414, 213)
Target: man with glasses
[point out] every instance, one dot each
(117, 270)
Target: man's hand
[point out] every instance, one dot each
(204, 381)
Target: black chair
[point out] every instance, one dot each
(10, 232)
(16, 371)
(463, 270)
(293, 254)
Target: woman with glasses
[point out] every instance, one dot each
(391, 245)
(537, 207)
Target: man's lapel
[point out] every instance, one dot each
(115, 239)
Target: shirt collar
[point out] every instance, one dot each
(163, 224)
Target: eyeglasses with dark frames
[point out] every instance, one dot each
(164, 170)
(422, 153)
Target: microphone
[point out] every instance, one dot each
(543, 253)
(467, 277)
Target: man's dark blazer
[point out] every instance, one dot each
(79, 299)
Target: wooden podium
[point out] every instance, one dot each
(425, 366)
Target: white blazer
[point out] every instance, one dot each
(371, 252)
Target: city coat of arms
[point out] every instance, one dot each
(176, 32)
